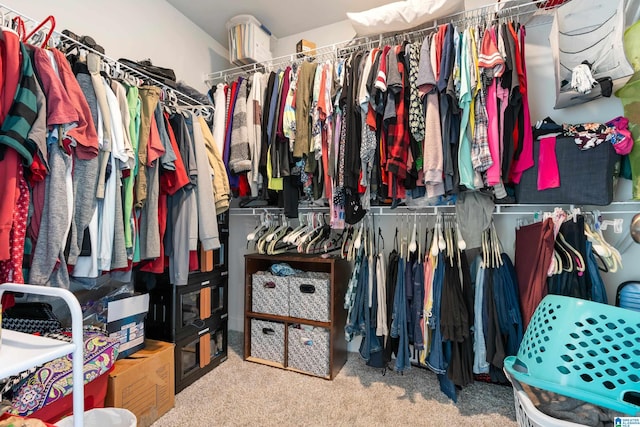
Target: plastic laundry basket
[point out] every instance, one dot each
(582, 349)
(104, 417)
(527, 415)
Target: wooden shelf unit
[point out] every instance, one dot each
(339, 272)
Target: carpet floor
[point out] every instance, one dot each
(239, 393)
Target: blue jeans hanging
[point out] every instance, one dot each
(399, 323)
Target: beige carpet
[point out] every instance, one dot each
(239, 393)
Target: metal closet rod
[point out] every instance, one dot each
(513, 8)
(183, 98)
(507, 209)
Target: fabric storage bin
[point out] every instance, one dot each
(309, 296)
(270, 293)
(586, 177)
(308, 349)
(267, 340)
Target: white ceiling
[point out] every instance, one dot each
(282, 17)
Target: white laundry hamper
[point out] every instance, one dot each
(104, 417)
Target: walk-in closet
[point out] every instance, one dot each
(336, 213)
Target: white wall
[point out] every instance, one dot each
(321, 36)
(136, 30)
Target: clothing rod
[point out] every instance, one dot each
(183, 98)
(511, 209)
(512, 8)
(320, 52)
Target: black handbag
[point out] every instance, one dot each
(30, 318)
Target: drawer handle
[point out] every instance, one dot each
(307, 289)
(268, 331)
(270, 285)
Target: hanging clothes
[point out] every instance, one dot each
(534, 250)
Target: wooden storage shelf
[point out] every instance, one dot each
(264, 362)
(338, 270)
(285, 319)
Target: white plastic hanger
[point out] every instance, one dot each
(413, 244)
(442, 244)
(462, 245)
(261, 226)
(293, 235)
(435, 249)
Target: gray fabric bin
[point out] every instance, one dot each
(267, 340)
(308, 350)
(270, 293)
(309, 295)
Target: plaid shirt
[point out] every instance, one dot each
(398, 132)
(480, 154)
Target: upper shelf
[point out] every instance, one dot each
(20, 351)
(621, 207)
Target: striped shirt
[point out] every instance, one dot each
(22, 113)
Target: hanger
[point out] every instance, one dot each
(3, 22)
(413, 244)
(462, 245)
(276, 245)
(262, 225)
(262, 240)
(600, 247)
(435, 249)
(284, 224)
(442, 244)
(613, 259)
(19, 27)
(451, 250)
(564, 253)
(293, 235)
(46, 36)
(356, 244)
(420, 242)
(309, 232)
(346, 242)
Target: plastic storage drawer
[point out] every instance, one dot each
(309, 295)
(199, 353)
(267, 340)
(270, 294)
(308, 350)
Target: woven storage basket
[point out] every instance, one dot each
(582, 349)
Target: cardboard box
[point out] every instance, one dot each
(306, 47)
(125, 321)
(144, 382)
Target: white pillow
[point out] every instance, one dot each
(401, 15)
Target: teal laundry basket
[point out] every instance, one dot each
(582, 349)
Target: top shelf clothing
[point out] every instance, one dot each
(100, 174)
(429, 118)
